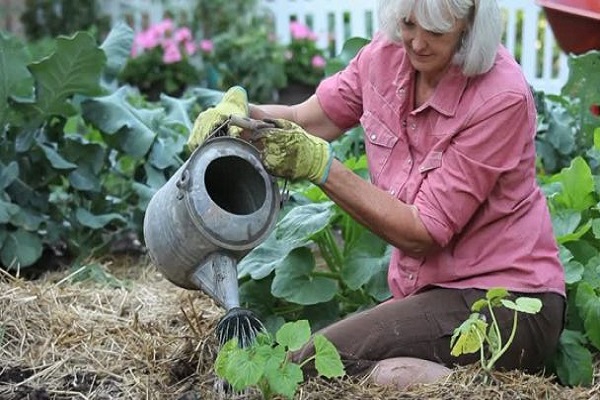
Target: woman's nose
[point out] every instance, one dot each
(418, 42)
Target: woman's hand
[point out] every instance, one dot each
(234, 102)
(288, 151)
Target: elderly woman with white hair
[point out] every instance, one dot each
(449, 124)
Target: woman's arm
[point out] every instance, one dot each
(386, 216)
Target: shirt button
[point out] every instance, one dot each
(413, 126)
(409, 161)
(404, 123)
(392, 192)
(410, 277)
(373, 137)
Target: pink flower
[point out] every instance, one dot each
(206, 45)
(190, 48)
(171, 52)
(318, 62)
(163, 27)
(300, 31)
(146, 40)
(183, 35)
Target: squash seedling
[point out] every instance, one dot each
(266, 363)
(476, 334)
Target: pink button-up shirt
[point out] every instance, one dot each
(465, 159)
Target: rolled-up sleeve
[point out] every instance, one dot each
(340, 95)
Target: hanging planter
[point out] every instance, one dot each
(575, 23)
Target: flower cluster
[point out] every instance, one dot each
(165, 59)
(305, 62)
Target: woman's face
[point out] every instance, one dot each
(430, 52)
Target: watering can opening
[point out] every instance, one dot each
(235, 185)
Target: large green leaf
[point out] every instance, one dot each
(577, 186)
(294, 230)
(366, 258)
(178, 109)
(15, 79)
(21, 249)
(56, 160)
(327, 359)
(117, 47)
(8, 174)
(295, 281)
(133, 128)
(588, 305)
(7, 211)
(573, 360)
(293, 335)
(90, 220)
(74, 68)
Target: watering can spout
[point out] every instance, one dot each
(217, 277)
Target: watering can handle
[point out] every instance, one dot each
(249, 123)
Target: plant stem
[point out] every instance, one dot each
(496, 328)
(499, 354)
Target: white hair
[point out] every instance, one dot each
(477, 51)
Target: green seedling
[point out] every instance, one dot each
(476, 334)
(266, 364)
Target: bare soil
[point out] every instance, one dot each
(137, 336)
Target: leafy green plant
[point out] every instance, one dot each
(79, 158)
(267, 365)
(477, 335)
(318, 264)
(50, 18)
(566, 122)
(251, 58)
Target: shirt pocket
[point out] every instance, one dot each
(379, 142)
(431, 162)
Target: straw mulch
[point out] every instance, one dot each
(148, 339)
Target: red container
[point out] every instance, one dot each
(575, 23)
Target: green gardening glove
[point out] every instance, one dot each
(288, 151)
(234, 102)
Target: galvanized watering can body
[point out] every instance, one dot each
(219, 205)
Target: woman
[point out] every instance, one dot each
(449, 125)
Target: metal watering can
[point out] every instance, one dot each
(219, 205)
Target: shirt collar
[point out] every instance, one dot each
(449, 91)
(447, 94)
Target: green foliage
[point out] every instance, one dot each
(253, 59)
(318, 263)
(266, 364)
(50, 18)
(78, 165)
(566, 123)
(214, 17)
(477, 335)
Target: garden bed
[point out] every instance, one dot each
(130, 334)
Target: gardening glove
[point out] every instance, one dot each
(288, 151)
(234, 102)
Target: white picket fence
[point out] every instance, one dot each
(334, 21)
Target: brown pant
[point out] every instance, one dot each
(421, 326)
